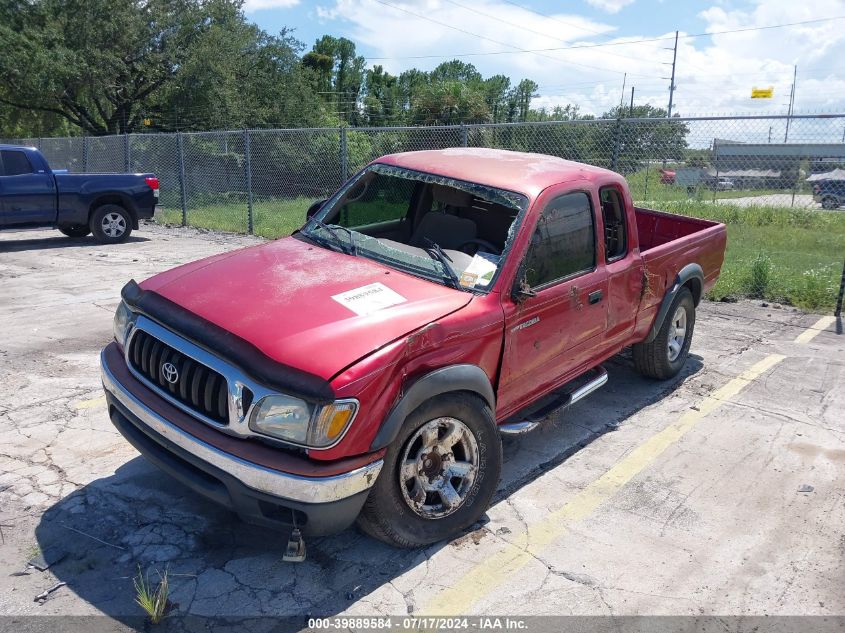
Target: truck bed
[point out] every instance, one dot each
(658, 227)
(667, 243)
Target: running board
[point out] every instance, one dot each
(556, 401)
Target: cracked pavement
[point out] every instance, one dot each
(715, 526)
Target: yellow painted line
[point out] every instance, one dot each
(466, 590)
(87, 404)
(819, 326)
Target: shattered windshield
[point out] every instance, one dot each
(449, 231)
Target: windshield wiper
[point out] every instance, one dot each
(439, 254)
(333, 232)
(352, 247)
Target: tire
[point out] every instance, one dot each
(75, 230)
(658, 359)
(829, 202)
(111, 224)
(398, 511)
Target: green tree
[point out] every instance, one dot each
(658, 138)
(347, 75)
(93, 62)
(519, 100)
(496, 90)
(450, 103)
(383, 101)
(107, 65)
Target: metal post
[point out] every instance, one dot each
(464, 136)
(127, 157)
(248, 174)
(838, 311)
(617, 133)
(716, 184)
(344, 157)
(40, 141)
(182, 184)
(791, 103)
(645, 193)
(85, 154)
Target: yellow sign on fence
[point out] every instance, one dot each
(762, 93)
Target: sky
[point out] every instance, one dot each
(714, 73)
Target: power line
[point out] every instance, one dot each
(489, 39)
(524, 28)
(586, 46)
(551, 17)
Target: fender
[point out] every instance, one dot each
(453, 378)
(688, 272)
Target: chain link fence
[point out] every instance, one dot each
(777, 182)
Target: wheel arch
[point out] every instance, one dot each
(691, 277)
(113, 198)
(452, 379)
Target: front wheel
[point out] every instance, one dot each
(665, 356)
(439, 474)
(111, 224)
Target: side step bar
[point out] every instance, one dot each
(557, 401)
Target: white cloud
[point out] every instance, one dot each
(255, 5)
(611, 6)
(714, 75)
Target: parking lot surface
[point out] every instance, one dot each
(720, 492)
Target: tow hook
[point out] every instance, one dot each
(295, 551)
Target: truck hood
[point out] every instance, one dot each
(305, 306)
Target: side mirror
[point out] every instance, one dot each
(312, 210)
(521, 290)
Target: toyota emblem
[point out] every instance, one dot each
(170, 373)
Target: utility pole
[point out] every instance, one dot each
(672, 80)
(622, 96)
(631, 110)
(791, 103)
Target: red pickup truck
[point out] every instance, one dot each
(366, 366)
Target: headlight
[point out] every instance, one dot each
(294, 420)
(122, 321)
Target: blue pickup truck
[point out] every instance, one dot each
(107, 205)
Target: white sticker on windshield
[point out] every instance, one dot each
(368, 299)
(480, 270)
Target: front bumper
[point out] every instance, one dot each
(321, 503)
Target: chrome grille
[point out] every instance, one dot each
(195, 385)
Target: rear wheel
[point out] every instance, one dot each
(75, 230)
(829, 202)
(665, 356)
(111, 223)
(439, 474)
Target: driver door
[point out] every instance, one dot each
(555, 331)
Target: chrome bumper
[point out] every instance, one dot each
(272, 482)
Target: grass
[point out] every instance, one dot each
(153, 600)
(646, 185)
(786, 255)
(791, 256)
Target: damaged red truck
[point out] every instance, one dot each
(367, 366)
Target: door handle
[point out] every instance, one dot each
(595, 296)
